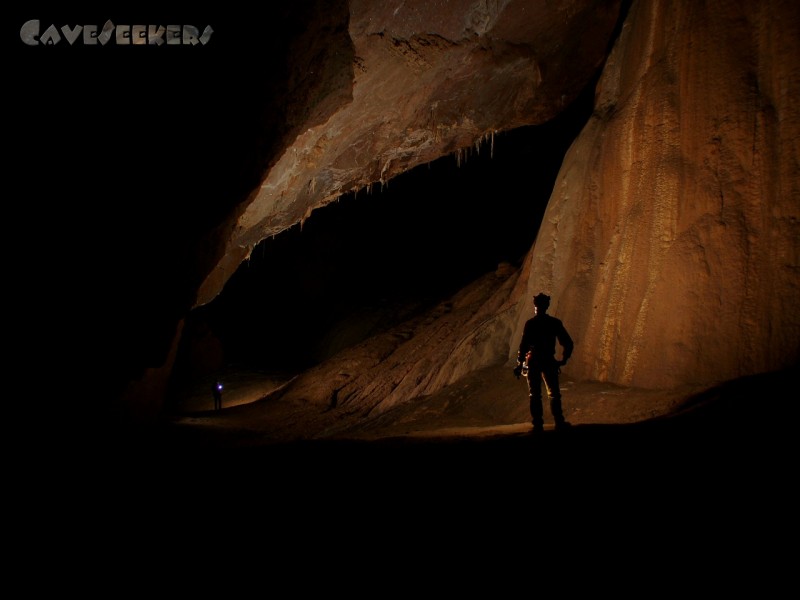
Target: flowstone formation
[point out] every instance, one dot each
(671, 240)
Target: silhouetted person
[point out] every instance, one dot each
(217, 390)
(538, 349)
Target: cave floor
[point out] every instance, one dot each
(487, 403)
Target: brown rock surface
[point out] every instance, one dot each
(428, 80)
(670, 243)
(486, 403)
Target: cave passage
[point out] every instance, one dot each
(369, 260)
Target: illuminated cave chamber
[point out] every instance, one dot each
(372, 259)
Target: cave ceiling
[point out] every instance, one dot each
(391, 86)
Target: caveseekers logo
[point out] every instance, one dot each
(122, 35)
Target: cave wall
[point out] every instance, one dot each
(671, 240)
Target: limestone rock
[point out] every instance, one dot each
(671, 240)
(428, 80)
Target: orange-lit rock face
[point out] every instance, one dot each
(670, 244)
(413, 81)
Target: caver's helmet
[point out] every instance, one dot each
(541, 300)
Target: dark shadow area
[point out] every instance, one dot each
(127, 158)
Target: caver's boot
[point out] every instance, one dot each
(537, 413)
(558, 414)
